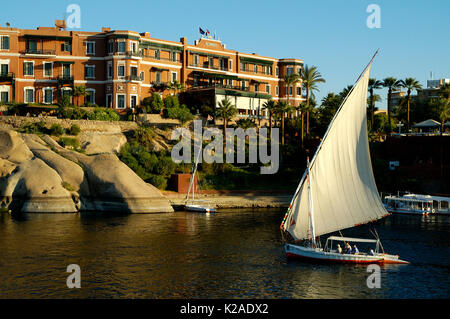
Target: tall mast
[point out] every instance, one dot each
(310, 207)
(194, 170)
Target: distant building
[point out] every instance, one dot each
(432, 89)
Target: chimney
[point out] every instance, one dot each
(106, 30)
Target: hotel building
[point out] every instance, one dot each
(120, 68)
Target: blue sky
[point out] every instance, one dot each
(333, 35)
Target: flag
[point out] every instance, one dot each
(207, 32)
(201, 31)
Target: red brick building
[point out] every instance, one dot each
(120, 68)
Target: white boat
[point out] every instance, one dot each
(337, 190)
(191, 204)
(417, 204)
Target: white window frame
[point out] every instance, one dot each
(51, 75)
(4, 62)
(230, 63)
(124, 71)
(196, 60)
(111, 97)
(66, 89)
(124, 101)
(87, 46)
(124, 47)
(171, 76)
(268, 88)
(5, 88)
(108, 68)
(131, 46)
(1, 42)
(86, 75)
(25, 94)
(24, 68)
(137, 100)
(92, 94)
(43, 95)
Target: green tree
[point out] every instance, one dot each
(310, 77)
(410, 84)
(374, 84)
(225, 111)
(391, 84)
(175, 86)
(78, 91)
(283, 108)
(153, 104)
(271, 108)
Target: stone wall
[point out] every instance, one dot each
(16, 122)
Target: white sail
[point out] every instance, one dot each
(344, 193)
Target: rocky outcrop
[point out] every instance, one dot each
(97, 143)
(38, 175)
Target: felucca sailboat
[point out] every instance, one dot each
(337, 190)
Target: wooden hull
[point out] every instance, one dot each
(318, 255)
(199, 209)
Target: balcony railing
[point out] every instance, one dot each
(148, 56)
(7, 76)
(135, 78)
(39, 52)
(207, 66)
(65, 79)
(253, 71)
(221, 86)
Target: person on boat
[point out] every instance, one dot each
(348, 248)
(371, 252)
(355, 250)
(339, 249)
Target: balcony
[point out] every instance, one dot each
(65, 80)
(253, 71)
(209, 67)
(136, 78)
(153, 57)
(7, 77)
(39, 52)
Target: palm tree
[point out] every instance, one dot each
(290, 80)
(302, 108)
(410, 84)
(444, 115)
(444, 91)
(79, 90)
(282, 109)
(392, 84)
(374, 84)
(310, 77)
(271, 107)
(346, 91)
(225, 111)
(175, 86)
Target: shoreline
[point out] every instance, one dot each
(234, 199)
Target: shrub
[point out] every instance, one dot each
(180, 113)
(153, 104)
(69, 141)
(74, 130)
(73, 113)
(103, 114)
(56, 130)
(145, 136)
(171, 101)
(157, 181)
(34, 128)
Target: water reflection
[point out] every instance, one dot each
(189, 255)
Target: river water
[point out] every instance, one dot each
(235, 254)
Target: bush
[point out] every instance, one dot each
(69, 141)
(73, 113)
(180, 113)
(171, 101)
(103, 114)
(153, 104)
(56, 130)
(157, 181)
(145, 136)
(34, 128)
(74, 130)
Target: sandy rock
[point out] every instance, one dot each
(71, 173)
(36, 188)
(6, 168)
(118, 188)
(13, 148)
(97, 143)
